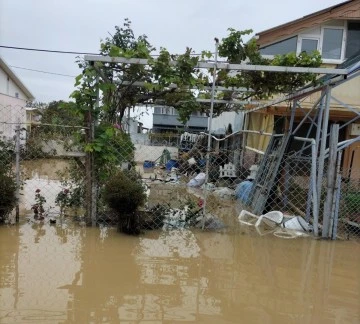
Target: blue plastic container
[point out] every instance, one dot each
(202, 162)
(171, 164)
(148, 166)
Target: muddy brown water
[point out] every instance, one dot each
(71, 274)
(65, 273)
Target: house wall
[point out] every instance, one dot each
(8, 87)
(12, 111)
(347, 92)
(220, 124)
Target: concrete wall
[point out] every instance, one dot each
(138, 138)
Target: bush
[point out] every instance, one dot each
(7, 195)
(125, 193)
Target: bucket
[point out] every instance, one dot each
(149, 166)
(171, 164)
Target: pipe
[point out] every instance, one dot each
(240, 131)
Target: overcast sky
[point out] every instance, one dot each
(79, 25)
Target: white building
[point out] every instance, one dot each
(13, 98)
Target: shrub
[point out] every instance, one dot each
(7, 195)
(125, 193)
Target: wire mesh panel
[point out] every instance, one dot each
(349, 205)
(173, 179)
(99, 174)
(41, 164)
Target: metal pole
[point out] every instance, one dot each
(324, 127)
(331, 176)
(17, 171)
(337, 195)
(292, 117)
(209, 131)
(93, 177)
(308, 114)
(313, 187)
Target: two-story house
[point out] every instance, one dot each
(13, 98)
(165, 119)
(335, 33)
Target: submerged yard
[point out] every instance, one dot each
(65, 272)
(71, 274)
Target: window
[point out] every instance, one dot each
(332, 43)
(309, 45)
(165, 110)
(353, 39)
(284, 47)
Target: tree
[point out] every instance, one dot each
(125, 85)
(106, 90)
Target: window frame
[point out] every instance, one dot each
(343, 44)
(302, 37)
(346, 35)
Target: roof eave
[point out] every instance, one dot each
(16, 79)
(312, 15)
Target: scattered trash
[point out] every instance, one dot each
(224, 193)
(227, 171)
(208, 186)
(192, 161)
(280, 225)
(209, 222)
(296, 223)
(272, 219)
(198, 181)
(243, 189)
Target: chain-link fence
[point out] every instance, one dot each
(100, 175)
(349, 204)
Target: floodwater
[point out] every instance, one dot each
(64, 273)
(44, 175)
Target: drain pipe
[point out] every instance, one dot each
(313, 182)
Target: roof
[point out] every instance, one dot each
(16, 79)
(345, 10)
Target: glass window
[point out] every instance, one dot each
(353, 39)
(309, 45)
(332, 43)
(284, 47)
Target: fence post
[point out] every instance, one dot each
(336, 200)
(331, 179)
(93, 178)
(88, 170)
(17, 170)
(209, 135)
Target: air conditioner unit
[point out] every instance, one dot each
(354, 130)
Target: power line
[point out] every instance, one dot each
(46, 50)
(68, 52)
(40, 71)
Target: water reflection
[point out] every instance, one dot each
(44, 175)
(68, 274)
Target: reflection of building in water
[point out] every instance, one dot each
(171, 262)
(40, 264)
